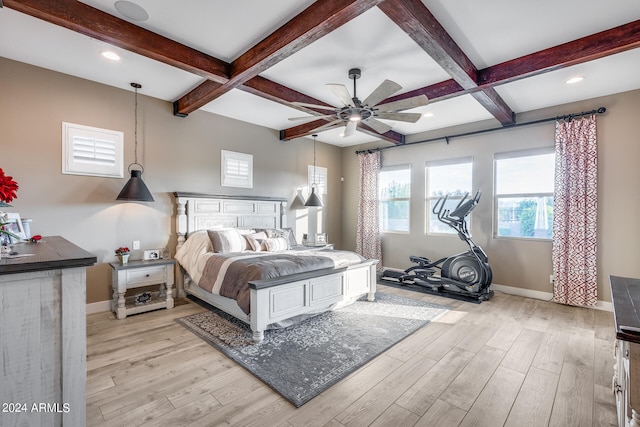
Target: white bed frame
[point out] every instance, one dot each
(272, 300)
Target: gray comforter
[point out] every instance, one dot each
(229, 274)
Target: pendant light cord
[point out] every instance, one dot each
(314, 184)
(136, 86)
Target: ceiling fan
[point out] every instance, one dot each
(368, 111)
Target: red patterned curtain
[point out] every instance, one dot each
(574, 213)
(368, 232)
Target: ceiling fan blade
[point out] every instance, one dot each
(377, 125)
(350, 128)
(401, 117)
(342, 93)
(310, 118)
(319, 107)
(382, 92)
(404, 104)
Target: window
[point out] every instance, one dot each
(320, 179)
(524, 194)
(91, 151)
(237, 169)
(395, 194)
(446, 177)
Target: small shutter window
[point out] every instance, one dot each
(237, 169)
(91, 151)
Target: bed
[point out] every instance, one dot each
(324, 280)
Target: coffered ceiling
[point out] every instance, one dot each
(251, 60)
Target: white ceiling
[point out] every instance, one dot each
(488, 32)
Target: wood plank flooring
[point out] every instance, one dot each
(510, 361)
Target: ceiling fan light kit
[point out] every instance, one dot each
(354, 111)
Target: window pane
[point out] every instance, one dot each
(522, 175)
(395, 192)
(525, 217)
(453, 180)
(395, 184)
(394, 215)
(449, 179)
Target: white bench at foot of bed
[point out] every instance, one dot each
(281, 298)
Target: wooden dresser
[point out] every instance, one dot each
(43, 334)
(625, 293)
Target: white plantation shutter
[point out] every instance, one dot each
(319, 178)
(91, 151)
(237, 169)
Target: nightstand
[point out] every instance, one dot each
(136, 274)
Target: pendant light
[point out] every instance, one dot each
(313, 199)
(135, 190)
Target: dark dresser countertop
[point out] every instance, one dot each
(51, 253)
(625, 293)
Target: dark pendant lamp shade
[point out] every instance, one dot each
(314, 200)
(135, 190)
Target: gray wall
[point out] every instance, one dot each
(516, 262)
(178, 154)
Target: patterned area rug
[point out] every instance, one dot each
(303, 360)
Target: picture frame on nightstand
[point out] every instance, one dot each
(152, 254)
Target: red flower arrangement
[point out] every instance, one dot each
(8, 188)
(122, 251)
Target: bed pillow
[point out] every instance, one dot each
(254, 240)
(287, 233)
(275, 244)
(227, 240)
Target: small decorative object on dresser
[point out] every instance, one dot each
(123, 254)
(137, 274)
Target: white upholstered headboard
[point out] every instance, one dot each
(197, 211)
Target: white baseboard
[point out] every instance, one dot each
(99, 307)
(545, 296)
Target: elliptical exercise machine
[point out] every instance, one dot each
(467, 274)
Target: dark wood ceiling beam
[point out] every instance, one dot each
(307, 129)
(413, 17)
(84, 19)
(276, 92)
(314, 22)
(595, 46)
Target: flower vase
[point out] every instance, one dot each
(124, 258)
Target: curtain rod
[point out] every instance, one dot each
(569, 117)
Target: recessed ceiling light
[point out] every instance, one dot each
(429, 114)
(110, 55)
(574, 80)
(131, 10)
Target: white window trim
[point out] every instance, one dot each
(73, 163)
(236, 178)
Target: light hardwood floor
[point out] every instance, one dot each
(510, 361)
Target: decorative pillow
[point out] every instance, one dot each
(287, 233)
(275, 244)
(227, 240)
(255, 240)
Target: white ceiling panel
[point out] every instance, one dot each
(602, 77)
(48, 46)
(494, 31)
(223, 29)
